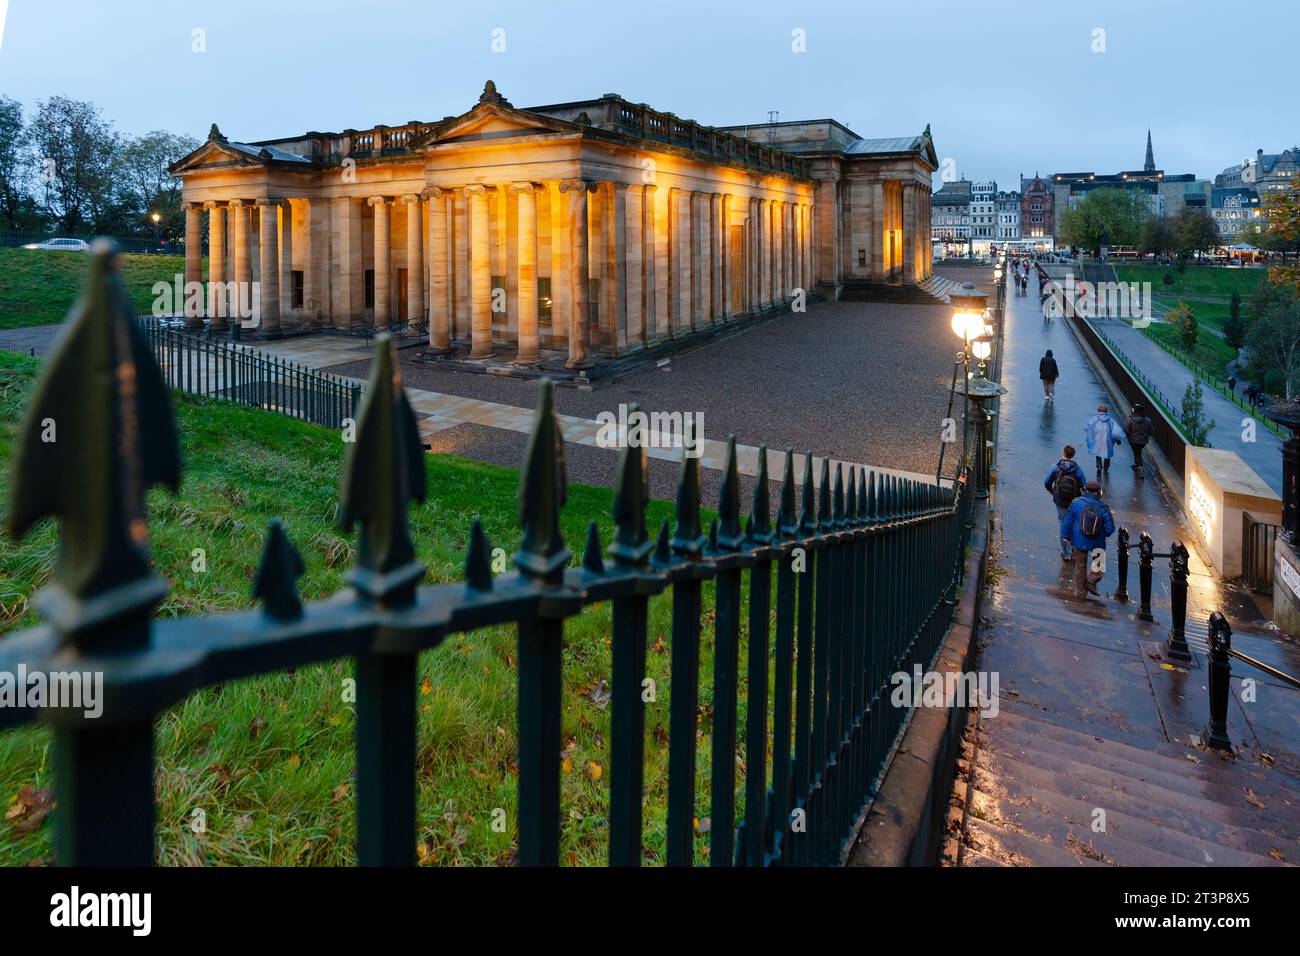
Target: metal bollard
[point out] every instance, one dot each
(1146, 562)
(1122, 545)
(1176, 646)
(1216, 734)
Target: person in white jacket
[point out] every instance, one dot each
(1101, 434)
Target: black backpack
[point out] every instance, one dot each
(1066, 487)
(1090, 520)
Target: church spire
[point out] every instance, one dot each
(1150, 165)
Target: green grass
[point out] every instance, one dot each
(1211, 352)
(36, 285)
(1209, 282)
(269, 760)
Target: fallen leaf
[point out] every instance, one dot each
(1252, 798)
(256, 727)
(1277, 854)
(594, 770)
(339, 793)
(426, 687)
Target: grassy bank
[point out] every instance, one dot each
(36, 285)
(1208, 282)
(269, 761)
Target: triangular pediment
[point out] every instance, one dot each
(489, 121)
(214, 153)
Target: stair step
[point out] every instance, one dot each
(1127, 840)
(1019, 849)
(1028, 712)
(1188, 814)
(973, 857)
(1212, 778)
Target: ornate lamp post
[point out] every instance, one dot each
(968, 307)
(978, 390)
(1288, 414)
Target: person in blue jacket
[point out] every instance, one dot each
(1088, 523)
(1101, 434)
(1065, 482)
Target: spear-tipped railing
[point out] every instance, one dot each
(864, 568)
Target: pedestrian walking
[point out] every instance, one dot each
(1232, 385)
(1252, 394)
(1138, 429)
(1087, 524)
(1101, 434)
(1049, 373)
(1065, 481)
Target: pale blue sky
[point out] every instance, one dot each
(1006, 87)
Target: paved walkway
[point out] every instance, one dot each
(1264, 454)
(1094, 757)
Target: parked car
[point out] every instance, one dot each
(61, 245)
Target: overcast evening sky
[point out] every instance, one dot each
(1006, 87)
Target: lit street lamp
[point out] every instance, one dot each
(157, 229)
(978, 390)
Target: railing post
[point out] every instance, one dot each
(1121, 592)
(1146, 564)
(1216, 734)
(1176, 646)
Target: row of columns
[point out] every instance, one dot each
(777, 259)
(274, 292)
(699, 261)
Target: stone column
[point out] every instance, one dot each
(633, 262)
(724, 257)
(414, 261)
(439, 279)
(765, 253)
(650, 251)
(701, 262)
(685, 280)
(243, 266)
(480, 273)
(716, 312)
(285, 210)
(579, 273)
(614, 233)
(268, 266)
(753, 259)
(216, 264)
(193, 262)
(909, 235)
(878, 232)
(383, 262)
(528, 353)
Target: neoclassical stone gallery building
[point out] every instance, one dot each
(595, 228)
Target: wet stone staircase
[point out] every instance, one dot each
(1039, 789)
(933, 291)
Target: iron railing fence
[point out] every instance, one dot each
(866, 568)
(148, 242)
(1258, 539)
(202, 363)
(1166, 433)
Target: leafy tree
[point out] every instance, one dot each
(1194, 231)
(1192, 415)
(1114, 214)
(15, 160)
(1234, 330)
(1274, 336)
(1281, 210)
(144, 184)
(75, 151)
(1182, 319)
(1156, 236)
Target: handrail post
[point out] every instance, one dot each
(1176, 646)
(1146, 563)
(1122, 546)
(1216, 734)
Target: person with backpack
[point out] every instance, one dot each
(1065, 482)
(1049, 373)
(1101, 434)
(1138, 428)
(1088, 523)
